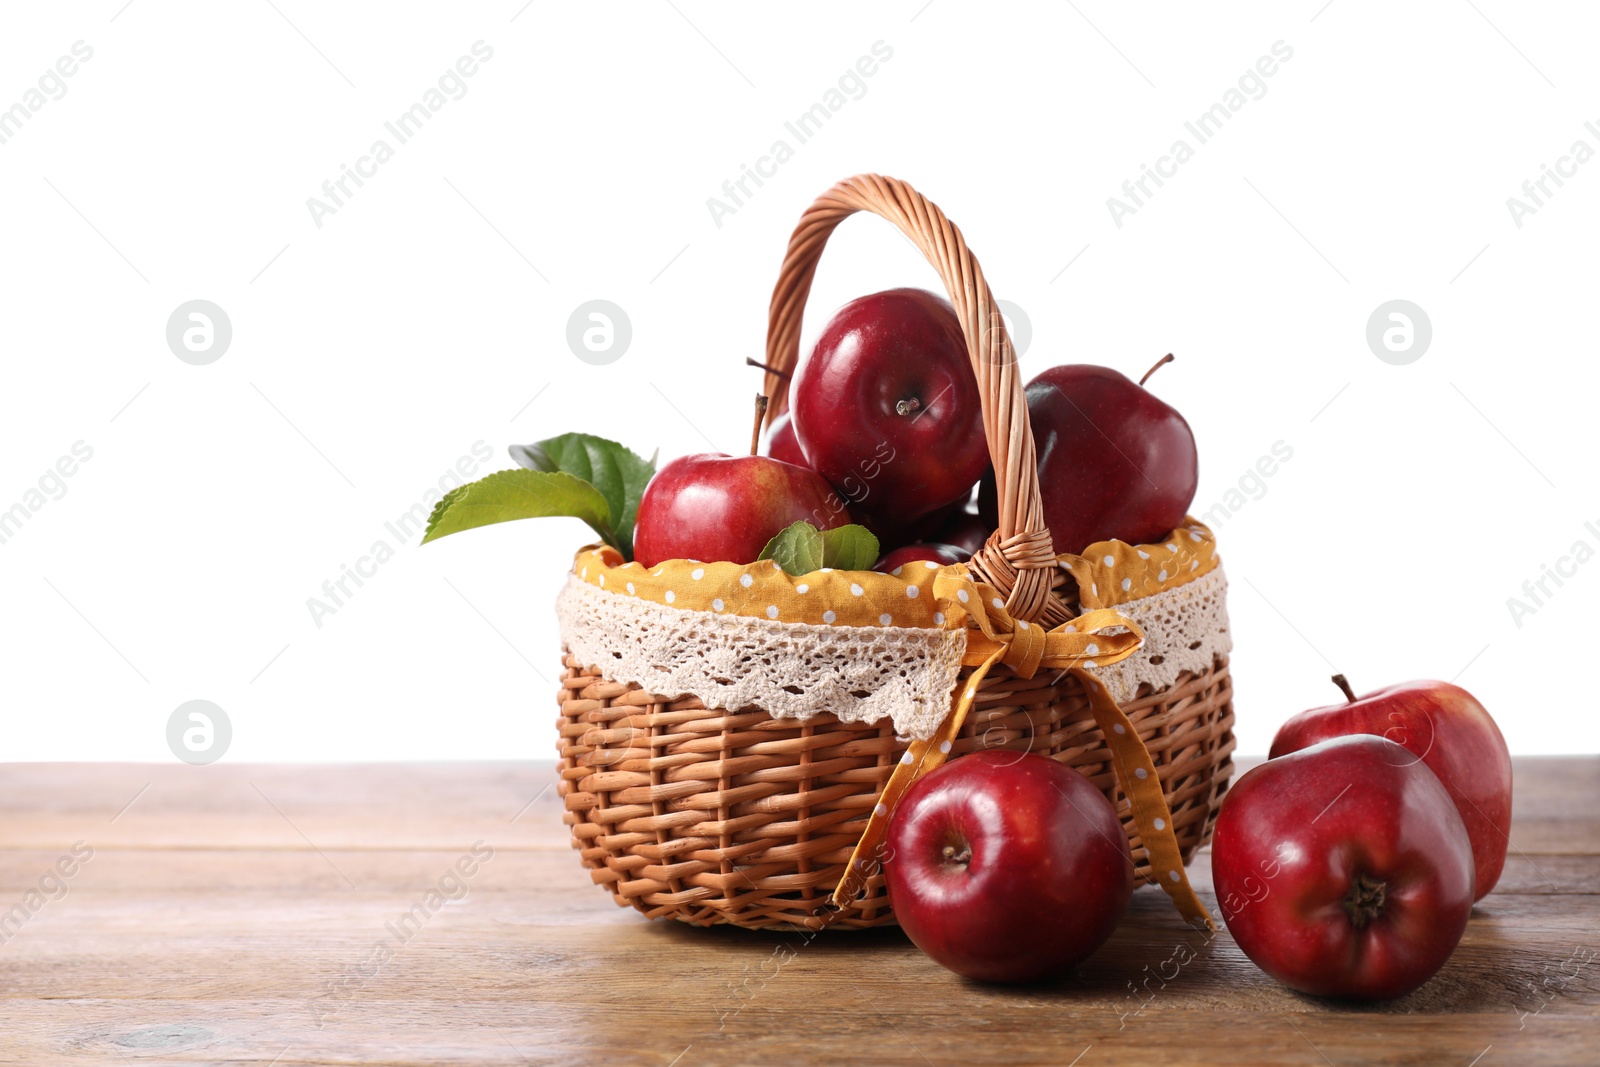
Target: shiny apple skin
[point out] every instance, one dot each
(1295, 835)
(1050, 873)
(1116, 463)
(714, 507)
(781, 442)
(1455, 736)
(877, 352)
(921, 552)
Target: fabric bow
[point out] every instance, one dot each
(1096, 638)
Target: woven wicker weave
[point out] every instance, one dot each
(711, 816)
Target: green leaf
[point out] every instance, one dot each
(801, 548)
(797, 549)
(849, 548)
(519, 494)
(617, 472)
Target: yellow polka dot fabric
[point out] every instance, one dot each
(1113, 572)
(765, 591)
(919, 595)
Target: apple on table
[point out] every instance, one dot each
(1446, 728)
(1343, 869)
(1007, 867)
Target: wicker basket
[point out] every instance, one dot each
(714, 816)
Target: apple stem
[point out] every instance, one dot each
(1162, 362)
(961, 856)
(785, 375)
(908, 407)
(755, 431)
(1340, 681)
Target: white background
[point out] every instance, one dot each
(429, 313)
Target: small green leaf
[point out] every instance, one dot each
(519, 494)
(849, 548)
(797, 549)
(801, 548)
(617, 472)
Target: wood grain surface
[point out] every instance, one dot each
(434, 914)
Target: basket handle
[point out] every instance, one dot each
(1019, 559)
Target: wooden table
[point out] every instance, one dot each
(234, 914)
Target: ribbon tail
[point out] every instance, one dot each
(1131, 761)
(1136, 773)
(920, 758)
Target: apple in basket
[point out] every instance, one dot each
(966, 531)
(713, 506)
(887, 409)
(716, 507)
(1445, 727)
(1007, 867)
(919, 531)
(1115, 461)
(921, 552)
(781, 443)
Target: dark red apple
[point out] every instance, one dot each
(893, 533)
(966, 530)
(1343, 869)
(781, 443)
(1444, 726)
(1007, 867)
(921, 552)
(716, 507)
(887, 410)
(1116, 463)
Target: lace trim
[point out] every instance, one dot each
(1184, 630)
(790, 670)
(859, 673)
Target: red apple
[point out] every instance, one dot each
(1447, 729)
(893, 533)
(716, 507)
(887, 410)
(1116, 463)
(1343, 870)
(921, 552)
(1007, 867)
(781, 443)
(966, 530)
